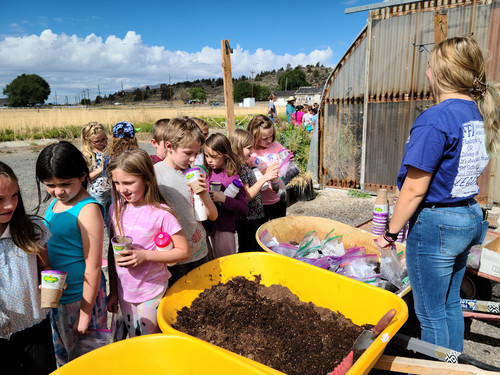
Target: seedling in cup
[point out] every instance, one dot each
(120, 243)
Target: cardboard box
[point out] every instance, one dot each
(490, 258)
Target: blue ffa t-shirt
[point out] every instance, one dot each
(447, 140)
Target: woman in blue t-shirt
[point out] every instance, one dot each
(448, 149)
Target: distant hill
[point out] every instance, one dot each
(316, 75)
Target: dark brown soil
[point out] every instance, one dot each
(271, 326)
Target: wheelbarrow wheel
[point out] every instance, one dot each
(475, 287)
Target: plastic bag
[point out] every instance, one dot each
(361, 266)
(390, 268)
(310, 246)
(288, 169)
(474, 257)
(95, 339)
(268, 240)
(286, 249)
(332, 245)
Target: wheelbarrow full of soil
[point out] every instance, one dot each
(291, 229)
(363, 304)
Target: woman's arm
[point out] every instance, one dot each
(178, 253)
(412, 192)
(91, 224)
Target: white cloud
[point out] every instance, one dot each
(71, 64)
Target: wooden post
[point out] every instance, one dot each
(228, 84)
(440, 28)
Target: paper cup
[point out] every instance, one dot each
(192, 176)
(120, 243)
(52, 287)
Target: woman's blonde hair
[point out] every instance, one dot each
(219, 143)
(256, 124)
(89, 130)
(240, 139)
(138, 163)
(457, 65)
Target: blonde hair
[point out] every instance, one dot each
(182, 131)
(256, 124)
(89, 130)
(201, 124)
(240, 139)
(220, 144)
(138, 163)
(158, 129)
(457, 65)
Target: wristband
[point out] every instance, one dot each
(390, 237)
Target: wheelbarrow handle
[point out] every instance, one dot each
(439, 352)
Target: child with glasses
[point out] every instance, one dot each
(94, 144)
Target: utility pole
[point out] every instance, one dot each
(55, 94)
(252, 71)
(170, 84)
(122, 85)
(88, 95)
(99, 89)
(228, 84)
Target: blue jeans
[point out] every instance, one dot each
(437, 247)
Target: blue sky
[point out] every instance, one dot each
(77, 45)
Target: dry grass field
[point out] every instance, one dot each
(20, 120)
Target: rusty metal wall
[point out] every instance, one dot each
(401, 38)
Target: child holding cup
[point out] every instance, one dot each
(76, 223)
(139, 278)
(25, 336)
(224, 165)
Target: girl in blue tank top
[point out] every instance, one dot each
(76, 223)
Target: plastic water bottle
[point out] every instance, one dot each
(163, 242)
(258, 176)
(233, 189)
(199, 209)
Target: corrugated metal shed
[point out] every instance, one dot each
(377, 90)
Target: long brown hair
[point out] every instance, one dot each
(26, 233)
(220, 144)
(138, 163)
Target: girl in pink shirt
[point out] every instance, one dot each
(139, 278)
(265, 154)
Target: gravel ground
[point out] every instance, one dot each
(483, 339)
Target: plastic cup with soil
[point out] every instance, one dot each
(52, 287)
(120, 243)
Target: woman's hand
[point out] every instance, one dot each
(131, 258)
(383, 243)
(218, 196)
